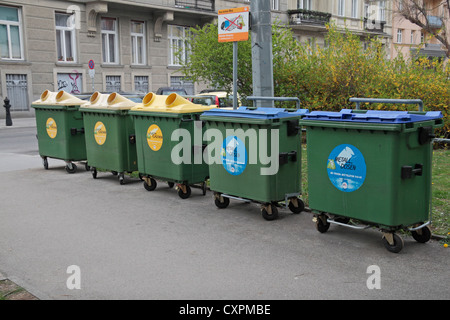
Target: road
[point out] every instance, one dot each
(128, 243)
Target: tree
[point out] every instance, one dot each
(212, 62)
(420, 12)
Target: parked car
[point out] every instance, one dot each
(165, 91)
(219, 98)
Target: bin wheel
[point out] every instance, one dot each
(152, 185)
(71, 167)
(87, 167)
(94, 173)
(422, 235)
(298, 207)
(184, 195)
(171, 184)
(397, 243)
(204, 187)
(269, 212)
(121, 178)
(45, 162)
(221, 204)
(322, 225)
(114, 173)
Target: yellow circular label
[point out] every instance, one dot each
(154, 137)
(51, 127)
(100, 133)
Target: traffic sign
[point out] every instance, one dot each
(91, 64)
(233, 24)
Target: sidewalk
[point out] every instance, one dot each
(19, 123)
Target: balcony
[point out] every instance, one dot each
(374, 25)
(434, 22)
(203, 5)
(308, 17)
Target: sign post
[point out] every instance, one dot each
(92, 73)
(233, 27)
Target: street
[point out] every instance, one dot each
(129, 243)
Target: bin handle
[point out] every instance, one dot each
(297, 100)
(393, 101)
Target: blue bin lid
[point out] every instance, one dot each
(373, 116)
(256, 113)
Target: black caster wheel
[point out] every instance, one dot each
(152, 185)
(296, 207)
(184, 195)
(114, 173)
(121, 178)
(71, 167)
(322, 225)
(45, 163)
(422, 235)
(394, 245)
(170, 184)
(204, 188)
(269, 212)
(221, 202)
(94, 173)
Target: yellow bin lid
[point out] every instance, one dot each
(109, 101)
(172, 103)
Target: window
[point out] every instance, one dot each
(138, 42)
(178, 46)
(341, 8)
(422, 37)
(412, 36)
(354, 8)
(141, 84)
(113, 83)
(109, 40)
(304, 4)
(65, 37)
(275, 4)
(382, 11)
(10, 33)
(399, 35)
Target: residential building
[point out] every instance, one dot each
(410, 40)
(48, 44)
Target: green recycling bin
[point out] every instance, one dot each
(373, 167)
(257, 158)
(109, 134)
(60, 129)
(167, 130)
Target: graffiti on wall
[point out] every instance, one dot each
(70, 82)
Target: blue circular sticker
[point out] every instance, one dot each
(346, 168)
(234, 155)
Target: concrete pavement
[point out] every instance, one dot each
(133, 244)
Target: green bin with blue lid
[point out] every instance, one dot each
(255, 155)
(373, 167)
(60, 128)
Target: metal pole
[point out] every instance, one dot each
(235, 74)
(262, 66)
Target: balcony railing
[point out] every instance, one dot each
(374, 25)
(204, 5)
(301, 16)
(434, 22)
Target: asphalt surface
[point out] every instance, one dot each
(133, 244)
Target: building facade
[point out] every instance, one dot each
(82, 46)
(410, 40)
